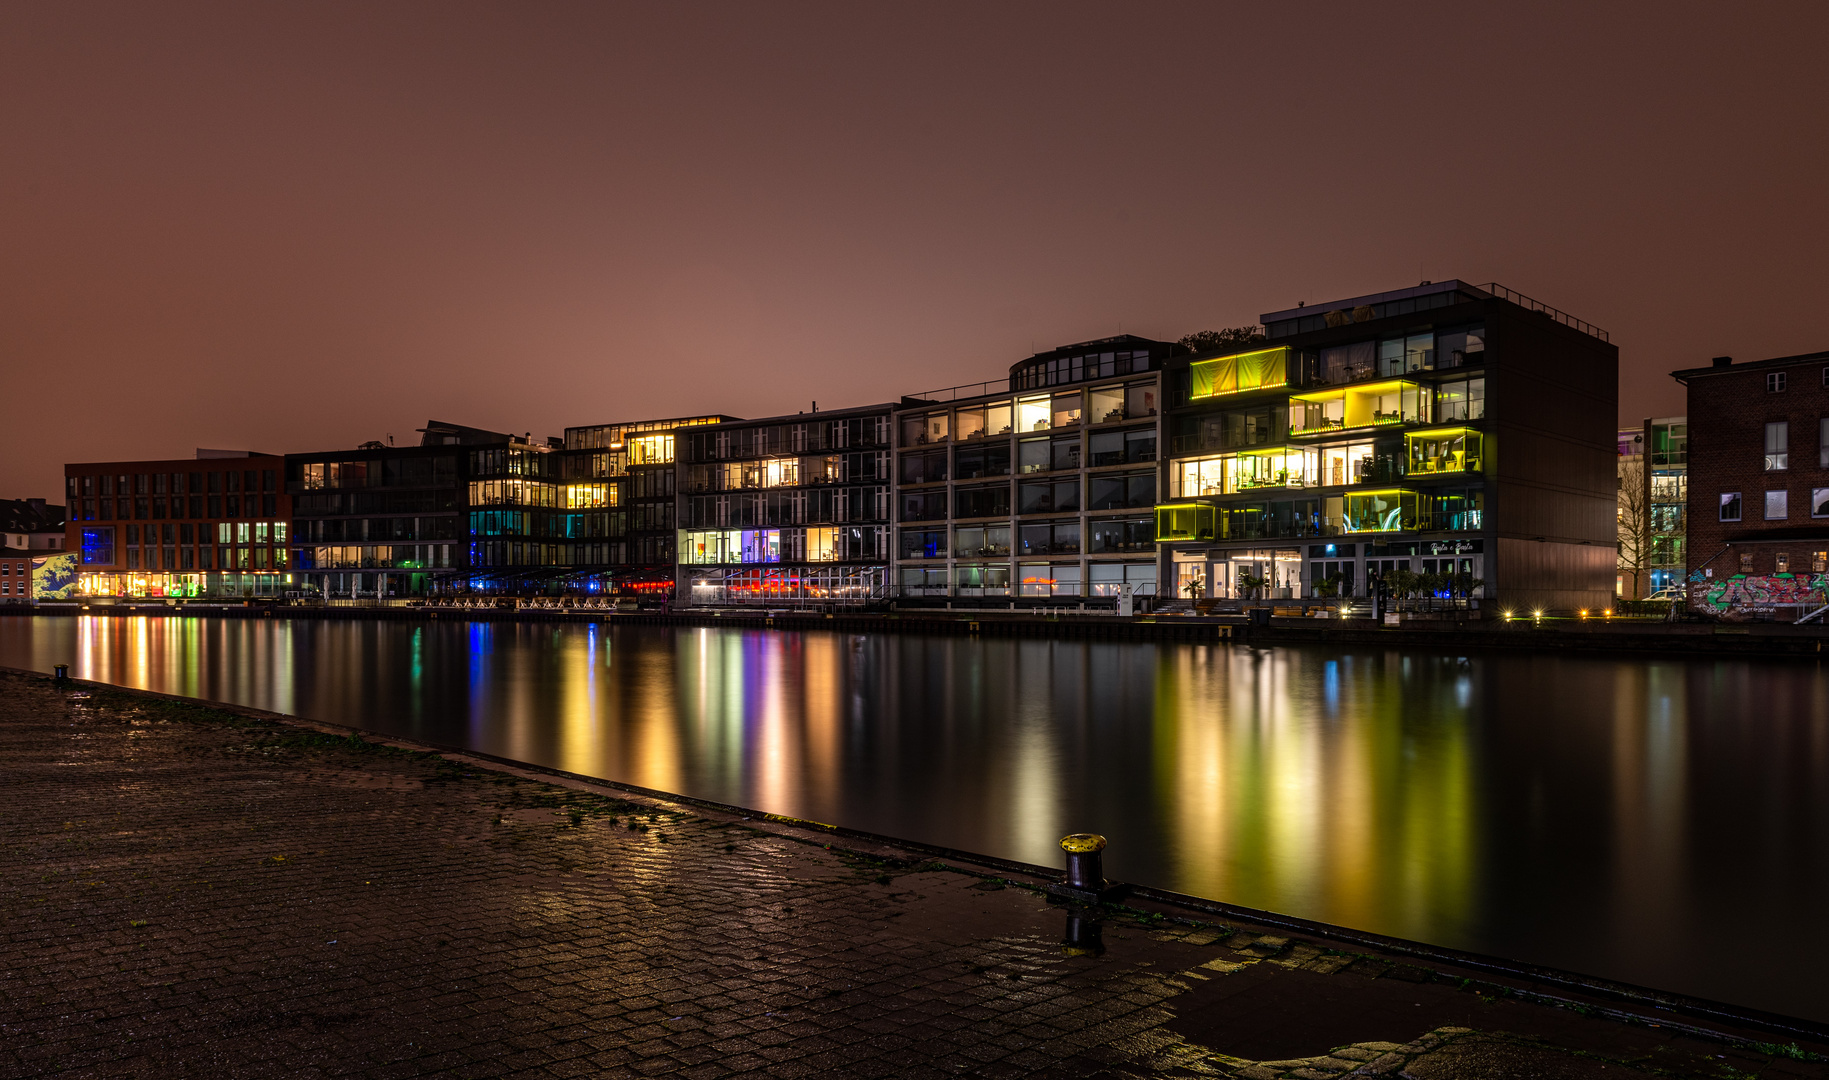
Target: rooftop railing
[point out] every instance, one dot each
(1560, 316)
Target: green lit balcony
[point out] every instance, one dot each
(1444, 450)
(1366, 405)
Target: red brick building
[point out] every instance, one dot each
(212, 526)
(1759, 485)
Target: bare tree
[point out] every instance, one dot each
(1633, 515)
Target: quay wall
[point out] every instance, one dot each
(1756, 640)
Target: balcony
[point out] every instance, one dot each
(1444, 450)
(1390, 402)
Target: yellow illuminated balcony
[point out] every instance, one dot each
(1349, 408)
(1444, 450)
(1239, 373)
(1184, 521)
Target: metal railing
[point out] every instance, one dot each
(1559, 315)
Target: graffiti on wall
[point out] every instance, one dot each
(1746, 592)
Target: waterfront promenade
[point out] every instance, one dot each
(193, 892)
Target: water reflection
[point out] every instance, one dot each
(1610, 816)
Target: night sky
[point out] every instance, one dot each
(301, 227)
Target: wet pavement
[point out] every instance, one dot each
(192, 892)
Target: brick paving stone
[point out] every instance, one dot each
(198, 892)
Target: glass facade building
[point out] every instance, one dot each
(1363, 439)
(1035, 492)
(790, 510)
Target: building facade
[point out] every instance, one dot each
(627, 484)
(1038, 490)
(791, 510)
(216, 526)
(382, 521)
(1667, 500)
(1459, 432)
(1758, 506)
(32, 531)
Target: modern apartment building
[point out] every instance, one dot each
(1446, 429)
(1758, 457)
(786, 510)
(628, 474)
(215, 526)
(1037, 489)
(382, 521)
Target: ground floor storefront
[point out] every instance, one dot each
(1297, 571)
(845, 586)
(1038, 580)
(222, 585)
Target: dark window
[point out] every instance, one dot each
(142, 508)
(234, 504)
(1032, 455)
(1048, 496)
(269, 505)
(1121, 534)
(268, 480)
(924, 505)
(215, 483)
(1775, 382)
(924, 468)
(1065, 453)
(1050, 538)
(196, 505)
(1730, 506)
(107, 512)
(215, 503)
(981, 501)
(234, 480)
(1140, 445)
(205, 555)
(158, 508)
(1123, 491)
(983, 461)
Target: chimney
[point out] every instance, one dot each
(1723, 361)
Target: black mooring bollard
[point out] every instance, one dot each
(62, 672)
(1085, 861)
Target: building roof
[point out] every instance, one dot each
(1724, 365)
(30, 516)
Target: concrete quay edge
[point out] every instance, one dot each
(1593, 636)
(1624, 1002)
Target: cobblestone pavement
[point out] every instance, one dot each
(191, 892)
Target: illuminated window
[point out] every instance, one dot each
(1032, 414)
(822, 545)
(651, 450)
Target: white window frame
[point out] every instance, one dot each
(1721, 511)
